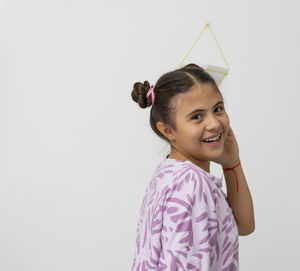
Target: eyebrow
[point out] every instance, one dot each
(203, 110)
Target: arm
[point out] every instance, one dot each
(241, 201)
(177, 231)
(189, 227)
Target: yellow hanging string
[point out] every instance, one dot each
(193, 44)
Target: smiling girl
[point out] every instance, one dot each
(186, 221)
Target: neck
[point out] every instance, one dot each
(175, 154)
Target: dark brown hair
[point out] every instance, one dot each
(166, 88)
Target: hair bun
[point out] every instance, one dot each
(139, 93)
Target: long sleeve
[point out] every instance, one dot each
(189, 225)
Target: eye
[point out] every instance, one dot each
(220, 107)
(194, 117)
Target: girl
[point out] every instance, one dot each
(186, 221)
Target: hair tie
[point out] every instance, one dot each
(151, 91)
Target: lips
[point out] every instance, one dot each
(213, 143)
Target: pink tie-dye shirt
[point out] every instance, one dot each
(185, 222)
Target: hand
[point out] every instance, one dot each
(230, 155)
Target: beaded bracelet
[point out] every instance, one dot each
(237, 184)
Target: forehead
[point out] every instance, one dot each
(201, 96)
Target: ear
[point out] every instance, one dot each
(165, 129)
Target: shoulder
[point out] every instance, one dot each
(178, 168)
(187, 199)
(188, 182)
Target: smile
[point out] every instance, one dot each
(214, 141)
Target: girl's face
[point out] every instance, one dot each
(200, 114)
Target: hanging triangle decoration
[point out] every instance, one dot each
(217, 72)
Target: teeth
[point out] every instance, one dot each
(213, 139)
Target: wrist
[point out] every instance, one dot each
(231, 164)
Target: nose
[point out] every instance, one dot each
(212, 122)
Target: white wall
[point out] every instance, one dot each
(76, 153)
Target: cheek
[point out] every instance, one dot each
(226, 124)
(225, 119)
(196, 135)
(191, 135)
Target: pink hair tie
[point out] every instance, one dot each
(151, 91)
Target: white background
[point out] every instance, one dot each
(76, 153)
